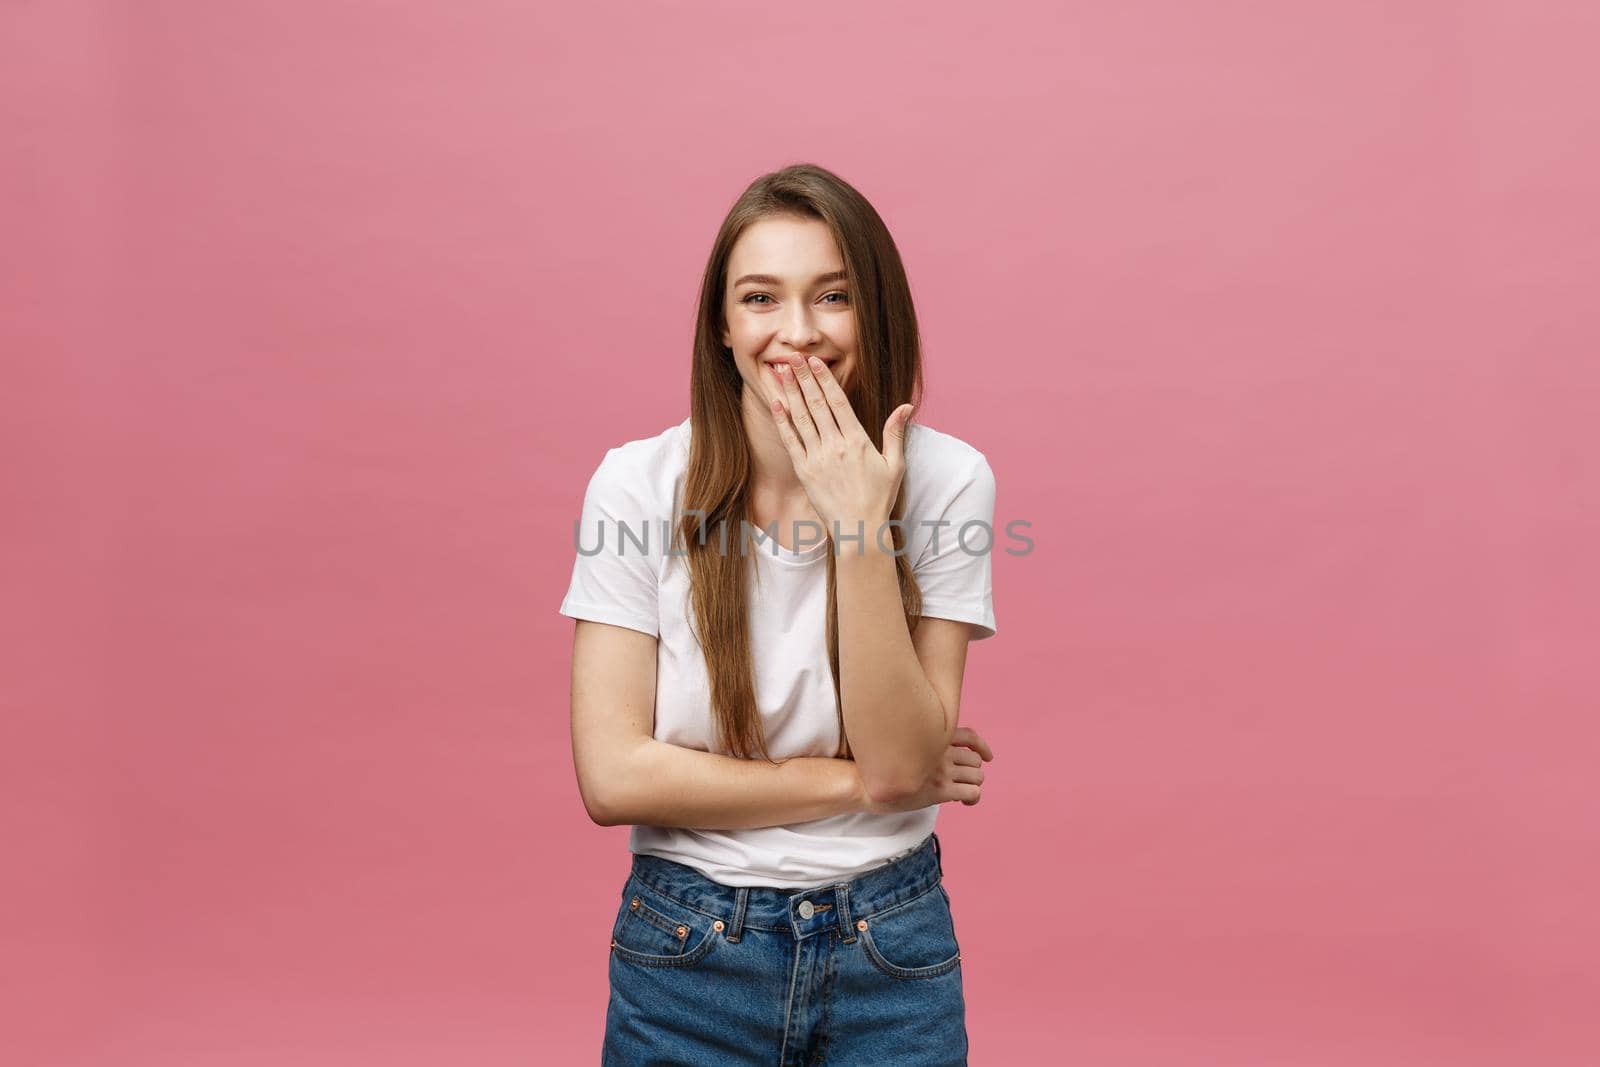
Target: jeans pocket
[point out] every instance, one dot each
(913, 940)
(656, 931)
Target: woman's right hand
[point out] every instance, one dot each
(958, 776)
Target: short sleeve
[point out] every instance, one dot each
(615, 575)
(954, 571)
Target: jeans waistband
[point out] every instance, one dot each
(803, 912)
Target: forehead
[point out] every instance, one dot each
(793, 249)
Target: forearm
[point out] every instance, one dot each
(660, 784)
(897, 724)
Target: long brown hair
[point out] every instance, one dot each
(887, 374)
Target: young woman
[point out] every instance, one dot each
(775, 599)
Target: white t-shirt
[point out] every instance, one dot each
(639, 485)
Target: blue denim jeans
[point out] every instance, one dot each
(865, 972)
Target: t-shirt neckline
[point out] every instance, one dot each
(769, 548)
(763, 544)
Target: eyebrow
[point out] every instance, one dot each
(768, 279)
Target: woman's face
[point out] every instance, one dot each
(786, 293)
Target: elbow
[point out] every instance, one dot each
(604, 807)
(884, 790)
(610, 797)
(600, 815)
(895, 785)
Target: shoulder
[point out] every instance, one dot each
(644, 472)
(938, 448)
(940, 467)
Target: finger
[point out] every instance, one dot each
(894, 436)
(965, 757)
(786, 434)
(973, 775)
(838, 403)
(966, 735)
(799, 411)
(817, 404)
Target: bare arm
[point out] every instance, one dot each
(901, 692)
(900, 695)
(675, 786)
(626, 776)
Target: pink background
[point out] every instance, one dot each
(1277, 322)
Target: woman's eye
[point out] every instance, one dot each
(763, 298)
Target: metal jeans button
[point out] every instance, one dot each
(807, 909)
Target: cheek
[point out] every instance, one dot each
(748, 336)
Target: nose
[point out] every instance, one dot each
(799, 328)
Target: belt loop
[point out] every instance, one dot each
(937, 855)
(741, 895)
(841, 900)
